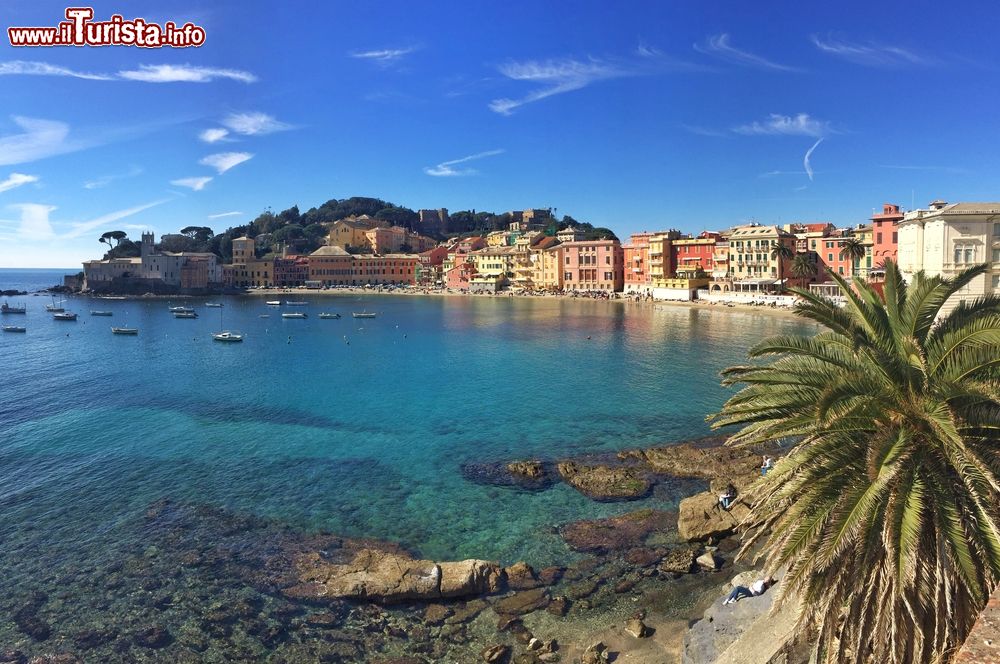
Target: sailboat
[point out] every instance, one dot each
(7, 308)
(55, 308)
(226, 336)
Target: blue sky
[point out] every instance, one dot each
(636, 115)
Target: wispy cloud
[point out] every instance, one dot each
(184, 74)
(39, 139)
(144, 73)
(105, 180)
(721, 46)
(252, 124)
(445, 169)
(15, 180)
(29, 68)
(34, 221)
(213, 135)
(871, 55)
(384, 56)
(911, 167)
(787, 125)
(223, 161)
(194, 184)
(84, 227)
(555, 77)
(806, 163)
(704, 131)
(220, 215)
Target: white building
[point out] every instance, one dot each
(187, 270)
(945, 239)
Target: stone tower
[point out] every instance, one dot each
(147, 245)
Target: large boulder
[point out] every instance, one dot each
(606, 482)
(701, 517)
(718, 464)
(391, 576)
(617, 533)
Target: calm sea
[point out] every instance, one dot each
(32, 279)
(354, 426)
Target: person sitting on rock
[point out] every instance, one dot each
(766, 465)
(726, 499)
(757, 588)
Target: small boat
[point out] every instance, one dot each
(273, 303)
(7, 308)
(60, 315)
(264, 316)
(111, 297)
(101, 313)
(364, 314)
(214, 305)
(185, 314)
(125, 330)
(14, 328)
(229, 337)
(294, 315)
(181, 310)
(296, 304)
(54, 309)
(328, 316)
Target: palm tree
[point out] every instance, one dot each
(803, 267)
(781, 252)
(884, 510)
(854, 249)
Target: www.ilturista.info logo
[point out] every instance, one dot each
(80, 30)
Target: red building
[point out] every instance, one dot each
(637, 277)
(695, 253)
(884, 234)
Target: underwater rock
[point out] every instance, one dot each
(605, 482)
(495, 653)
(602, 536)
(522, 602)
(154, 636)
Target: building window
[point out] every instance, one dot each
(878, 238)
(996, 282)
(958, 255)
(996, 231)
(829, 258)
(970, 254)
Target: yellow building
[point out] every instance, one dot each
(495, 261)
(659, 258)
(351, 232)
(750, 259)
(551, 268)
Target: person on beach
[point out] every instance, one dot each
(766, 465)
(727, 498)
(756, 589)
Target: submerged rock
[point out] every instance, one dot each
(701, 517)
(495, 653)
(617, 533)
(532, 470)
(154, 636)
(523, 602)
(606, 482)
(388, 576)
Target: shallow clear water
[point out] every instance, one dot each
(354, 426)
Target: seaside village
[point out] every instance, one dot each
(746, 264)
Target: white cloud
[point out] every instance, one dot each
(555, 77)
(798, 125)
(445, 169)
(872, 55)
(34, 223)
(704, 131)
(220, 215)
(84, 227)
(721, 47)
(805, 160)
(40, 139)
(195, 184)
(383, 56)
(105, 180)
(223, 161)
(16, 180)
(184, 74)
(213, 135)
(28, 68)
(252, 124)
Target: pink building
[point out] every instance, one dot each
(594, 265)
(459, 267)
(636, 253)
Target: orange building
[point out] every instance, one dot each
(885, 234)
(636, 253)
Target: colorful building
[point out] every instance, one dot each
(636, 256)
(750, 261)
(661, 255)
(692, 254)
(430, 266)
(885, 228)
(593, 265)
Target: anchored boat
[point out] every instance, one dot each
(181, 310)
(328, 316)
(14, 328)
(294, 315)
(364, 314)
(273, 303)
(61, 315)
(229, 337)
(125, 330)
(101, 313)
(7, 308)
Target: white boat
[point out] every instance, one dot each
(264, 316)
(7, 308)
(181, 310)
(328, 316)
(296, 304)
(364, 314)
(60, 315)
(101, 313)
(111, 297)
(229, 337)
(214, 305)
(54, 309)
(273, 303)
(294, 315)
(185, 314)
(125, 330)
(14, 328)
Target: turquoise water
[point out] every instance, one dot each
(354, 426)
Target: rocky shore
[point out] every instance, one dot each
(208, 584)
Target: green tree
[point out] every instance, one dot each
(884, 510)
(113, 236)
(198, 233)
(781, 252)
(803, 267)
(853, 249)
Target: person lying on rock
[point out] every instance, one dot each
(727, 499)
(757, 588)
